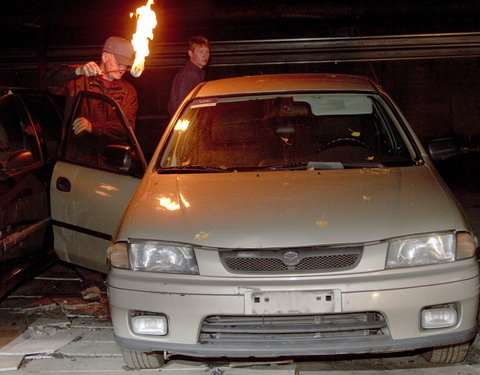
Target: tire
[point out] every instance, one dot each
(448, 354)
(142, 360)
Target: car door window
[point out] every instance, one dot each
(18, 138)
(111, 145)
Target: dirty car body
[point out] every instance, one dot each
(290, 215)
(30, 125)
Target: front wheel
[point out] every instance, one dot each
(142, 360)
(448, 354)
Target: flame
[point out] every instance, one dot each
(146, 22)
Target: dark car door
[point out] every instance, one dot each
(25, 171)
(93, 180)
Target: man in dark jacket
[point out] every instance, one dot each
(192, 73)
(104, 77)
(97, 126)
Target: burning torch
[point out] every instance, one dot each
(146, 22)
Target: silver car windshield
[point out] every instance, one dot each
(276, 132)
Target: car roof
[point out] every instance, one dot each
(286, 83)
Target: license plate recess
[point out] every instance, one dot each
(292, 302)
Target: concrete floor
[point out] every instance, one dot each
(46, 328)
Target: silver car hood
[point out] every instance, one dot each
(290, 208)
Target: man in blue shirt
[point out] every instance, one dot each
(192, 73)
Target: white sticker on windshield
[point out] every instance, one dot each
(207, 102)
(338, 104)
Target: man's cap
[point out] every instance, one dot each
(121, 48)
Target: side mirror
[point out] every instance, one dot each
(443, 148)
(123, 159)
(118, 157)
(20, 159)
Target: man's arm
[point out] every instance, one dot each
(182, 85)
(189, 81)
(59, 77)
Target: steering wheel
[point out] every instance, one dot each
(343, 141)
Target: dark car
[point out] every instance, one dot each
(30, 129)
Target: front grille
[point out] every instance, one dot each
(311, 259)
(231, 329)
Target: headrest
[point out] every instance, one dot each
(233, 127)
(289, 108)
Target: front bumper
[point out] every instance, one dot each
(186, 311)
(267, 349)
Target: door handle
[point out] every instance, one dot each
(63, 184)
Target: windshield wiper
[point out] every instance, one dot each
(400, 163)
(363, 165)
(192, 169)
(323, 165)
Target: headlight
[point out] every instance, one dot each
(154, 256)
(429, 249)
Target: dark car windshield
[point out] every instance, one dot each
(278, 132)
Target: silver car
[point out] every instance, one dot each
(283, 215)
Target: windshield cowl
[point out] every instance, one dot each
(312, 165)
(192, 169)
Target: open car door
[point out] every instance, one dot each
(93, 180)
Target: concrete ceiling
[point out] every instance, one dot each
(89, 22)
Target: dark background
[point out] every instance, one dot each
(424, 53)
(80, 22)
